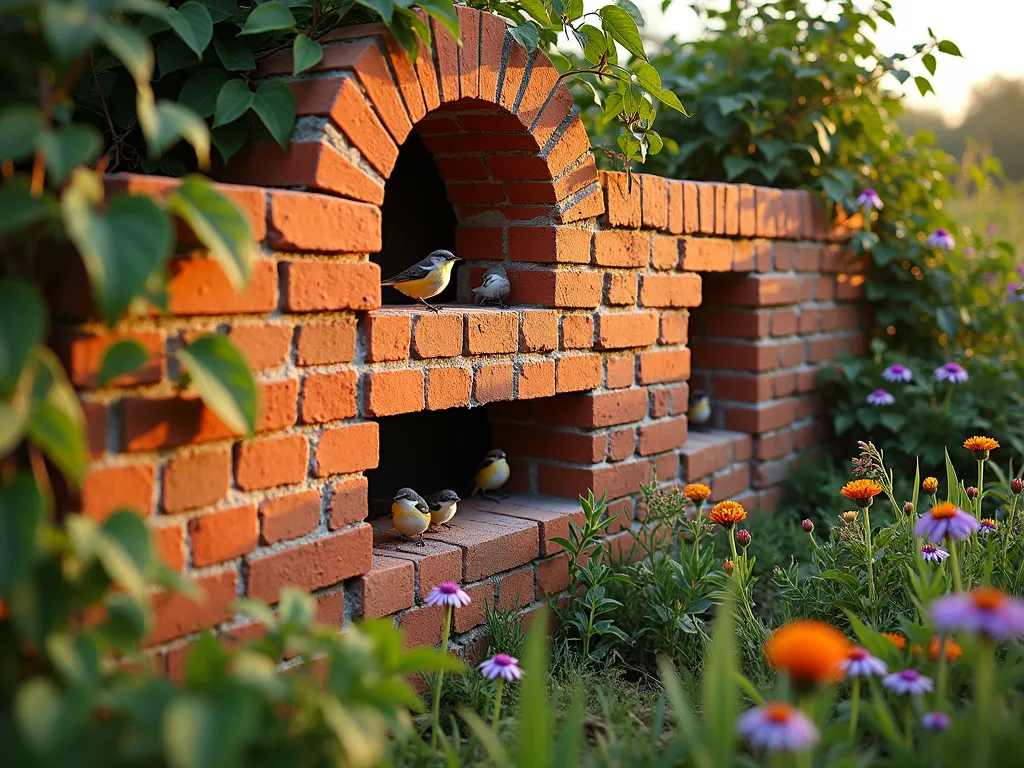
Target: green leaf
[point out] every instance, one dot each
(199, 732)
(219, 224)
(22, 325)
(172, 123)
(221, 10)
(536, 720)
(268, 17)
(623, 29)
(929, 63)
(307, 53)
(632, 10)
(21, 511)
(736, 165)
(384, 8)
(38, 712)
(235, 55)
(200, 92)
(949, 47)
(591, 40)
(19, 131)
(719, 695)
(924, 86)
(172, 55)
(67, 28)
(274, 103)
(231, 137)
(64, 148)
(192, 23)
(224, 380)
(129, 532)
(121, 357)
(526, 35)
(443, 11)
(233, 101)
(57, 430)
(131, 47)
(729, 104)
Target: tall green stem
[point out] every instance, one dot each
(941, 676)
(981, 487)
(954, 560)
(854, 707)
(445, 633)
(984, 683)
(1009, 528)
(871, 569)
(497, 703)
(908, 723)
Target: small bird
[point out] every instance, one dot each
(699, 412)
(410, 514)
(442, 507)
(425, 279)
(492, 475)
(495, 287)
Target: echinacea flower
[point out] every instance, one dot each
(504, 666)
(936, 721)
(777, 726)
(987, 526)
(869, 199)
(897, 639)
(880, 397)
(951, 373)
(908, 681)
(985, 611)
(945, 520)
(930, 485)
(933, 554)
(810, 652)
(1020, 270)
(448, 593)
(861, 491)
(727, 513)
(981, 446)
(696, 492)
(1015, 292)
(897, 372)
(860, 663)
(941, 238)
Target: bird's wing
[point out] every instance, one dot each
(432, 501)
(422, 505)
(415, 272)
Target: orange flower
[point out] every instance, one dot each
(808, 651)
(728, 566)
(896, 639)
(696, 492)
(727, 513)
(953, 649)
(850, 516)
(943, 510)
(861, 491)
(930, 485)
(980, 446)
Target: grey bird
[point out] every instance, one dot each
(442, 507)
(494, 287)
(410, 514)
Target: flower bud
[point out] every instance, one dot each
(850, 516)
(908, 507)
(972, 492)
(743, 538)
(930, 485)
(728, 567)
(777, 570)
(807, 525)
(1017, 486)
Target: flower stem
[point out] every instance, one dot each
(445, 632)
(732, 546)
(497, 703)
(871, 569)
(908, 723)
(1009, 527)
(854, 707)
(981, 487)
(954, 560)
(941, 675)
(984, 682)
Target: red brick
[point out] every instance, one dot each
(757, 291)
(83, 352)
(393, 391)
(388, 336)
(469, 53)
(492, 39)
(106, 491)
(784, 322)
(169, 545)
(329, 396)
(556, 288)
(664, 365)
(730, 483)
(706, 207)
(320, 563)
(621, 443)
(195, 481)
(664, 252)
(768, 208)
(516, 589)
(536, 379)
(850, 287)
(577, 331)
(317, 286)
(747, 389)
(514, 70)
(288, 517)
(473, 615)
(623, 199)
(743, 255)
(538, 331)
(732, 210)
(303, 221)
(703, 455)
(387, 587)
(737, 356)
(490, 543)
(200, 287)
(674, 328)
(177, 615)
(489, 333)
(267, 345)
(619, 371)
(552, 575)
(422, 626)
(438, 335)
(626, 329)
(615, 480)
(325, 343)
(591, 411)
(675, 207)
(760, 418)
(278, 405)
(773, 446)
(747, 211)
(616, 248)
(662, 436)
(493, 382)
(671, 290)
(272, 461)
(706, 254)
(95, 428)
(349, 502)
(223, 535)
(348, 448)
(448, 388)
(574, 373)
(537, 442)
(549, 244)
(660, 400)
(654, 197)
(621, 288)
(427, 74)
(691, 208)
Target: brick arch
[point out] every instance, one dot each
(503, 130)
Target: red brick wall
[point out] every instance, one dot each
(586, 377)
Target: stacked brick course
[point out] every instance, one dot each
(585, 378)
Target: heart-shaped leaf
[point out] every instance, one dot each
(268, 17)
(201, 91)
(224, 380)
(121, 357)
(19, 131)
(307, 53)
(275, 104)
(66, 147)
(233, 101)
(192, 23)
(22, 325)
(21, 511)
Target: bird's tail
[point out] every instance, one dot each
(387, 282)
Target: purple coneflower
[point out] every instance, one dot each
(880, 397)
(987, 526)
(869, 199)
(448, 593)
(936, 721)
(985, 611)
(504, 666)
(860, 663)
(933, 554)
(897, 372)
(944, 520)
(1020, 270)
(952, 373)
(1015, 292)
(777, 726)
(908, 681)
(941, 238)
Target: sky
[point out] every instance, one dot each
(988, 33)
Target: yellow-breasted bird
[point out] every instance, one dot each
(426, 278)
(493, 474)
(442, 507)
(699, 412)
(410, 514)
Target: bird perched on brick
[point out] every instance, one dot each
(426, 278)
(410, 514)
(699, 412)
(493, 474)
(494, 287)
(442, 507)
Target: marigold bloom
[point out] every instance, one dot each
(953, 649)
(987, 526)
(980, 446)
(448, 593)
(951, 373)
(933, 554)
(809, 652)
(897, 639)
(936, 721)
(897, 372)
(778, 727)
(945, 520)
(860, 663)
(728, 566)
(930, 485)
(696, 492)
(985, 611)
(880, 398)
(908, 681)
(727, 513)
(503, 666)
(861, 491)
